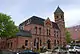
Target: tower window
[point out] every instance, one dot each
(57, 16)
(47, 31)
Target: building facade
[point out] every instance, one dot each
(37, 32)
(74, 32)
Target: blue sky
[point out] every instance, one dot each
(20, 10)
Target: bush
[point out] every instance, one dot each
(43, 50)
(0, 52)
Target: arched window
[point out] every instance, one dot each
(35, 30)
(34, 42)
(49, 45)
(57, 42)
(54, 42)
(49, 32)
(11, 44)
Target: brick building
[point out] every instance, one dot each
(74, 32)
(37, 32)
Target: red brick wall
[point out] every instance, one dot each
(75, 32)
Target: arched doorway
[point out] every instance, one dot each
(48, 44)
(36, 43)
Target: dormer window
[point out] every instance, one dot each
(29, 21)
(21, 27)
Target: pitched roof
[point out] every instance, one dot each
(24, 33)
(39, 21)
(34, 20)
(58, 10)
(55, 25)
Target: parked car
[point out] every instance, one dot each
(74, 49)
(60, 49)
(27, 52)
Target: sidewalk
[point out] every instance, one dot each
(46, 52)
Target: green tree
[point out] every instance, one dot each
(7, 26)
(68, 37)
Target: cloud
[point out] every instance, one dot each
(20, 10)
(72, 17)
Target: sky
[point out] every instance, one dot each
(20, 10)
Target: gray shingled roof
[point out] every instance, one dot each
(24, 33)
(58, 10)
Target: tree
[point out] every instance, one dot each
(7, 26)
(68, 37)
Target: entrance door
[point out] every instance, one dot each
(37, 46)
(49, 46)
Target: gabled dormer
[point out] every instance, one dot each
(47, 22)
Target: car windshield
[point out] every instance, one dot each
(71, 47)
(77, 47)
(27, 51)
(30, 51)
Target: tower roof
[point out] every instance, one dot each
(58, 10)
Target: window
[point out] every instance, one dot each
(40, 42)
(26, 42)
(39, 30)
(61, 16)
(35, 42)
(54, 42)
(54, 33)
(57, 16)
(8, 45)
(21, 27)
(35, 30)
(28, 22)
(11, 44)
(57, 42)
(57, 33)
(47, 31)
